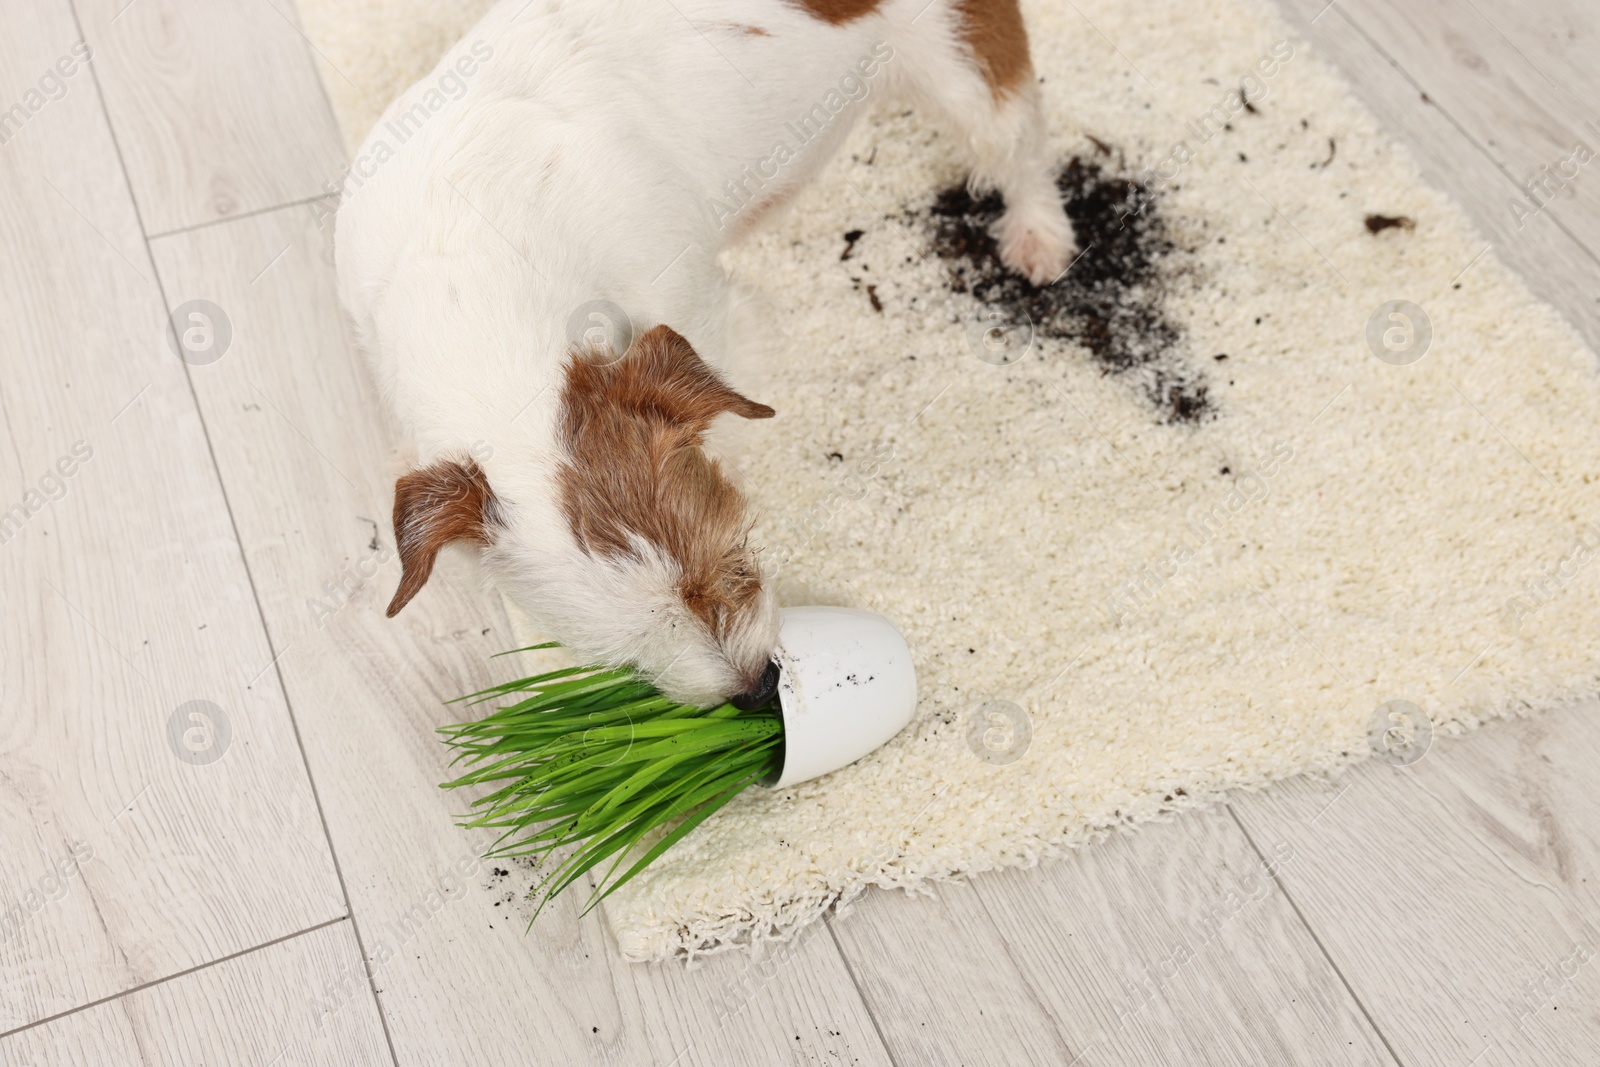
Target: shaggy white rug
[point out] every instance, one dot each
(1129, 590)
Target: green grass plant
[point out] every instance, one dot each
(586, 762)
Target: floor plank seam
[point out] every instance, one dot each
(861, 994)
(1022, 974)
(171, 977)
(252, 213)
(1322, 948)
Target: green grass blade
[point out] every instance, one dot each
(588, 762)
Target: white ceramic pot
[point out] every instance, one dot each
(846, 685)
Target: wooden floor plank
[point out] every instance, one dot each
(254, 1009)
(1557, 37)
(1555, 56)
(942, 984)
(304, 450)
(1463, 60)
(1170, 945)
(141, 834)
(1457, 895)
(215, 104)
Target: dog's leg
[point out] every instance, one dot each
(969, 59)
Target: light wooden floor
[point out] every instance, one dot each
(271, 878)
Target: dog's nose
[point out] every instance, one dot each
(764, 690)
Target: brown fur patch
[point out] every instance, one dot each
(433, 506)
(632, 429)
(994, 31)
(837, 12)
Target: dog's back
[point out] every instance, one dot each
(599, 151)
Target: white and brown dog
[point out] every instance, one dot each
(606, 151)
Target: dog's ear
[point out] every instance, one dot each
(660, 375)
(446, 501)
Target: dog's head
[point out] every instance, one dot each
(643, 557)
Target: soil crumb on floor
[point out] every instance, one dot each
(1111, 301)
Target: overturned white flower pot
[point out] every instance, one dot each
(845, 686)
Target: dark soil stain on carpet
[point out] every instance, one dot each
(1112, 300)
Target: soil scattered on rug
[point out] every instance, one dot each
(1379, 223)
(1111, 301)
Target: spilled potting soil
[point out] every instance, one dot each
(1112, 301)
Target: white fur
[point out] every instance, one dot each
(584, 160)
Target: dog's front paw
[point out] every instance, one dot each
(1036, 244)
